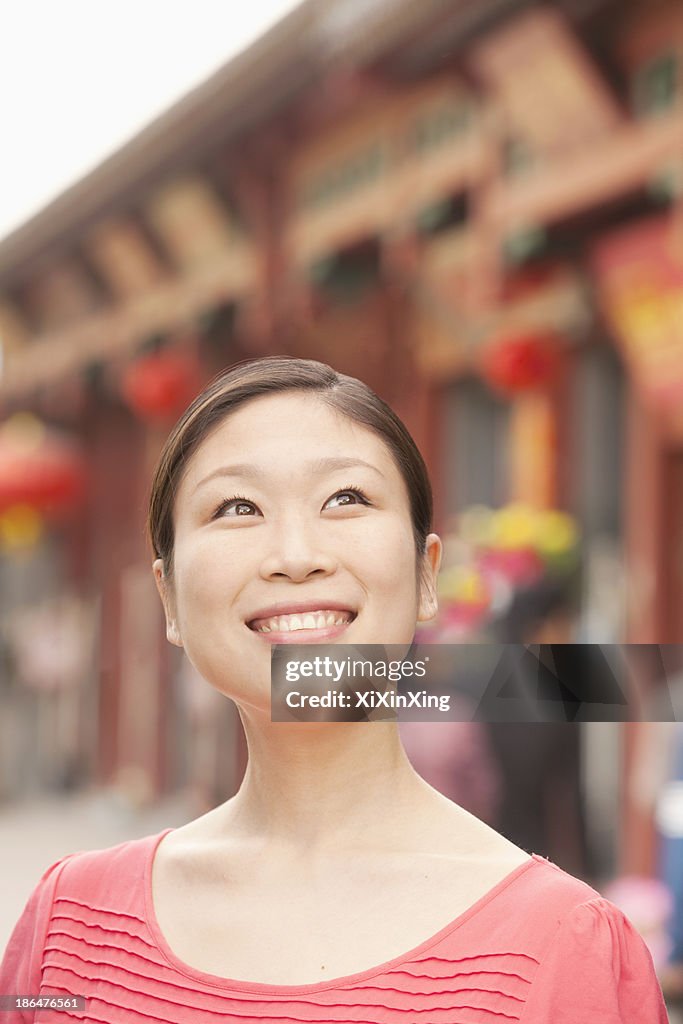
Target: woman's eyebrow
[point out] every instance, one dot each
(248, 471)
(329, 465)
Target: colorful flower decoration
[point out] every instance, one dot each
(494, 554)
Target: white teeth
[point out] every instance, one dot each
(303, 620)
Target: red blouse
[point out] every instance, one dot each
(541, 947)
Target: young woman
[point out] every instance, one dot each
(291, 505)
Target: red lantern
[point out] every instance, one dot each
(39, 468)
(521, 362)
(159, 386)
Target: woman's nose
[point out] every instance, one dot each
(296, 551)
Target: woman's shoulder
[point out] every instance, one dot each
(557, 920)
(101, 888)
(525, 896)
(550, 886)
(107, 872)
(121, 855)
(100, 854)
(591, 962)
(550, 919)
(541, 897)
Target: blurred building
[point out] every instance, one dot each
(474, 207)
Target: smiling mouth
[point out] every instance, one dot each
(297, 622)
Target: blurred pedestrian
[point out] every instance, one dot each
(540, 805)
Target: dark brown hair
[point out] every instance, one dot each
(272, 375)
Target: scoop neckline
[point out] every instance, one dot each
(345, 981)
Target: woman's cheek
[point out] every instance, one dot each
(390, 550)
(385, 535)
(205, 570)
(389, 578)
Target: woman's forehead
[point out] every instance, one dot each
(287, 430)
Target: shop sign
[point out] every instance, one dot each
(640, 280)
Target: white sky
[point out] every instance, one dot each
(78, 78)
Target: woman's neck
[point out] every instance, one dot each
(327, 786)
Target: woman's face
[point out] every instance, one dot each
(292, 525)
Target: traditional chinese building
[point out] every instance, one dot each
(475, 208)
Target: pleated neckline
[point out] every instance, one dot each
(346, 981)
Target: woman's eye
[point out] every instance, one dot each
(349, 496)
(232, 507)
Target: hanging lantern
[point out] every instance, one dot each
(158, 386)
(516, 363)
(40, 469)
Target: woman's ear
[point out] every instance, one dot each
(431, 561)
(165, 588)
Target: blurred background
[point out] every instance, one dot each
(476, 208)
